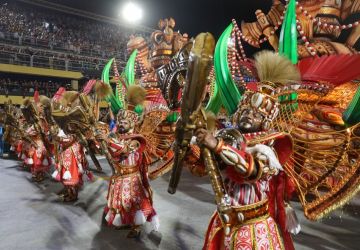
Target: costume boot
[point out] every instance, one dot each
(135, 232)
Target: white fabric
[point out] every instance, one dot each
(61, 133)
(67, 175)
(155, 223)
(55, 174)
(139, 218)
(80, 167)
(292, 222)
(108, 215)
(29, 161)
(117, 221)
(45, 162)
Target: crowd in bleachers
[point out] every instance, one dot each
(44, 38)
(33, 57)
(25, 87)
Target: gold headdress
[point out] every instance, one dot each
(276, 73)
(135, 97)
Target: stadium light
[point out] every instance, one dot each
(132, 12)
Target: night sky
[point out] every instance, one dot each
(191, 16)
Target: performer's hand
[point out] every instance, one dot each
(206, 138)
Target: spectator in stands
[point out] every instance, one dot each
(53, 30)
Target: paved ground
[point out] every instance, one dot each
(32, 218)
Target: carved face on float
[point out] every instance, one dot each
(255, 112)
(250, 120)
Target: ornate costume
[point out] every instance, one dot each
(37, 157)
(129, 199)
(38, 152)
(263, 168)
(71, 165)
(249, 180)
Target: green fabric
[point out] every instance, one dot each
(229, 93)
(288, 34)
(114, 101)
(130, 69)
(351, 115)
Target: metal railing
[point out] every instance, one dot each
(17, 55)
(47, 62)
(63, 47)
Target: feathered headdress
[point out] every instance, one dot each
(272, 67)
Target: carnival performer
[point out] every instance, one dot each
(252, 155)
(70, 166)
(129, 199)
(70, 159)
(38, 156)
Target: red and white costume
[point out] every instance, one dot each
(249, 196)
(37, 158)
(129, 199)
(72, 162)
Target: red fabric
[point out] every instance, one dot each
(277, 197)
(284, 147)
(336, 69)
(281, 188)
(216, 241)
(19, 147)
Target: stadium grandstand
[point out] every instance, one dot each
(45, 45)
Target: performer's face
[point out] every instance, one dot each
(41, 108)
(250, 120)
(124, 126)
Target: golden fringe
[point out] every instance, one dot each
(102, 90)
(339, 202)
(136, 95)
(275, 68)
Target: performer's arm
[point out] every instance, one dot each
(243, 162)
(253, 162)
